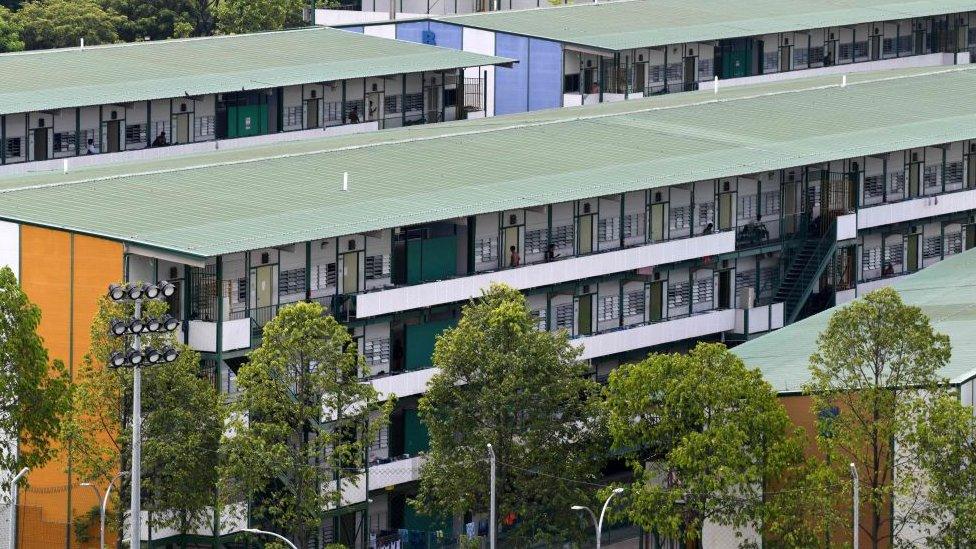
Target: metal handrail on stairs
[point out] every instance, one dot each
(815, 265)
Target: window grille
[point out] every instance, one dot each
(674, 71)
(563, 236)
(332, 109)
(14, 147)
(896, 182)
(953, 243)
(634, 303)
(748, 207)
(706, 213)
(873, 186)
(816, 55)
(486, 249)
(540, 319)
(656, 72)
(860, 49)
(705, 71)
(609, 305)
(954, 174)
(607, 229)
(845, 51)
(771, 61)
(768, 279)
(905, 44)
(160, 126)
(800, 56)
(633, 225)
(64, 142)
(535, 241)
(745, 279)
(888, 46)
(932, 247)
(813, 198)
(564, 316)
(870, 259)
(357, 104)
(894, 253)
(377, 352)
(391, 104)
(325, 275)
(291, 281)
(382, 439)
(135, 134)
(770, 202)
(678, 294)
(241, 290)
(930, 176)
(377, 266)
(413, 102)
(204, 126)
(294, 115)
(702, 291)
(679, 217)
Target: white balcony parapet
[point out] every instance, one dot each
(845, 296)
(847, 226)
(872, 285)
(543, 274)
(759, 319)
(403, 384)
(916, 208)
(648, 335)
(381, 476)
(203, 335)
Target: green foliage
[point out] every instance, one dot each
(302, 418)
(946, 443)
(9, 32)
(85, 523)
(182, 421)
(503, 382)
(877, 366)
(161, 19)
(241, 16)
(34, 392)
(63, 23)
(707, 440)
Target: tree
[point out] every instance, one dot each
(9, 32)
(242, 16)
(874, 373)
(63, 23)
(33, 390)
(182, 422)
(524, 391)
(707, 439)
(302, 418)
(161, 19)
(945, 439)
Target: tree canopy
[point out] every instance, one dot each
(875, 372)
(63, 23)
(707, 440)
(241, 16)
(9, 32)
(302, 421)
(503, 382)
(34, 391)
(182, 421)
(161, 19)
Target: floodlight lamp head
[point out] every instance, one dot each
(116, 359)
(153, 325)
(134, 358)
(134, 291)
(170, 354)
(137, 326)
(152, 355)
(118, 327)
(166, 288)
(150, 291)
(116, 292)
(168, 323)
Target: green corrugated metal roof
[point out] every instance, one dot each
(53, 79)
(274, 195)
(643, 23)
(944, 291)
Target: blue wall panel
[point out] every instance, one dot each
(545, 74)
(352, 29)
(430, 32)
(512, 85)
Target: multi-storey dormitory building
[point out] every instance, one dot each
(683, 217)
(612, 51)
(944, 292)
(194, 93)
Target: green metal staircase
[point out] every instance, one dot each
(804, 271)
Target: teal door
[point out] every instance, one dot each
(416, 439)
(420, 339)
(248, 120)
(431, 259)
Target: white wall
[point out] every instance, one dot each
(713, 322)
(918, 208)
(10, 246)
(481, 41)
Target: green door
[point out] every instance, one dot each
(913, 255)
(655, 312)
(416, 439)
(584, 326)
(420, 340)
(248, 120)
(431, 259)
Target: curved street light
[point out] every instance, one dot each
(13, 504)
(598, 523)
(266, 533)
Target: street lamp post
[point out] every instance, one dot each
(598, 523)
(857, 502)
(101, 517)
(134, 357)
(13, 505)
(266, 533)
